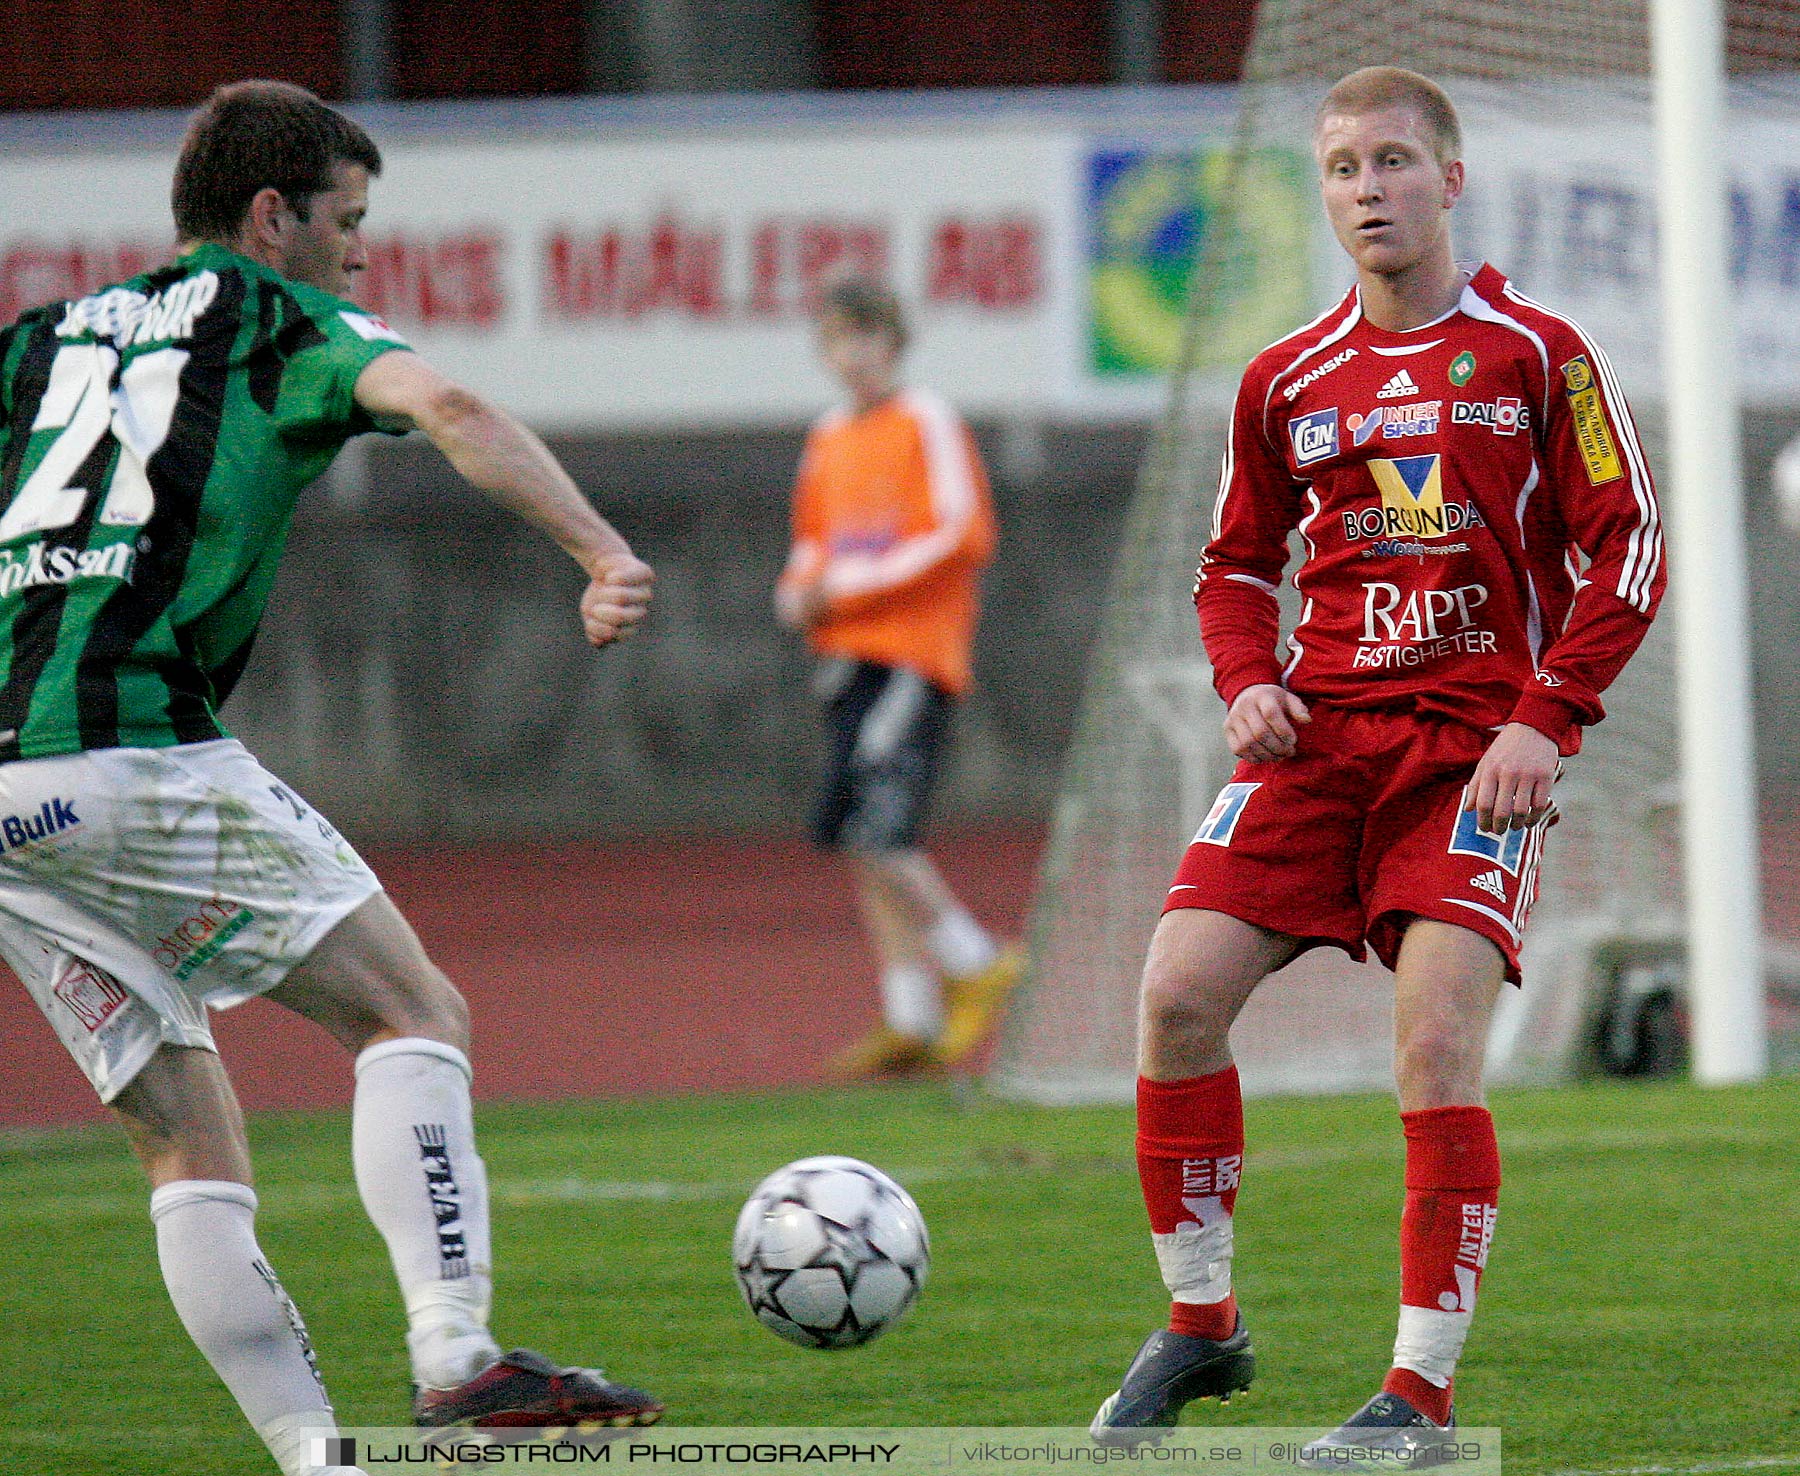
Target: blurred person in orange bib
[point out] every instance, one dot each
(892, 525)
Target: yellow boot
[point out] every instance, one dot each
(884, 1051)
(972, 1001)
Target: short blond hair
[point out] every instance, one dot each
(1372, 88)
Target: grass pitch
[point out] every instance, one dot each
(1641, 1313)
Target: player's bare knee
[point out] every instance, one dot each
(182, 1120)
(1178, 1009)
(427, 1004)
(1438, 1066)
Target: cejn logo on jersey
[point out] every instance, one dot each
(1396, 422)
(1397, 388)
(1315, 436)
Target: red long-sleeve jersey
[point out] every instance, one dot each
(1481, 530)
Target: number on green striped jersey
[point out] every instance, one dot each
(80, 401)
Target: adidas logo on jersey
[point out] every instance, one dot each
(1491, 882)
(1397, 388)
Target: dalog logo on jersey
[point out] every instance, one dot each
(1506, 416)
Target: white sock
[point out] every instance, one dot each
(960, 945)
(1429, 1342)
(236, 1312)
(912, 1000)
(425, 1189)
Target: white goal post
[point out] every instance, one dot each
(1718, 757)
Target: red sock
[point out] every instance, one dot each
(1452, 1191)
(1190, 1152)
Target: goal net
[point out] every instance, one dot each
(1556, 104)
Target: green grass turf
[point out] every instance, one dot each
(1641, 1310)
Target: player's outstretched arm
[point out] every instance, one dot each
(1263, 723)
(503, 459)
(1511, 785)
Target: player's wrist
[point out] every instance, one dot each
(1551, 717)
(601, 553)
(1232, 686)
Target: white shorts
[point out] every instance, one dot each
(138, 886)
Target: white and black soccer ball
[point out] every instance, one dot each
(830, 1252)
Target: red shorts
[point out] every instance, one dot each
(1357, 833)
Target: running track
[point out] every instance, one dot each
(629, 968)
(613, 969)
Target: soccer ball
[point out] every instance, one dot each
(830, 1252)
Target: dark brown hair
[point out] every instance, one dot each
(1385, 87)
(866, 305)
(251, 136)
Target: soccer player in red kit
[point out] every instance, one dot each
(1482, 556)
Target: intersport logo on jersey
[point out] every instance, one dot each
(1396, 422)
(35, 567)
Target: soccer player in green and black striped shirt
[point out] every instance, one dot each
(153, 440)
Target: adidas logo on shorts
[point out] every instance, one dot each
(1491, 882)
(1397, 388)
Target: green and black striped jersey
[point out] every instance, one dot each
(153, 440)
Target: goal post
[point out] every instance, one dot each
(1718, 758)
(1558, 105)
